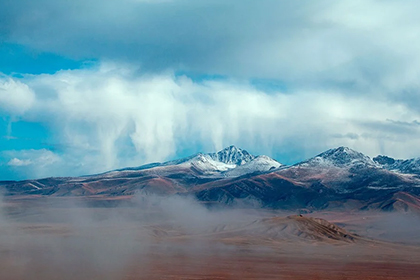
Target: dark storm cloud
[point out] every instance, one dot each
(159, 34)
(395, 129)
(344, 44)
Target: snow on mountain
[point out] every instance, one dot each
(258, 164)
(221, 163)
(399, 165)
(232, 155)
(206, 164)
(339, 157)
(232, 162)
(385, 160)
(410, 166)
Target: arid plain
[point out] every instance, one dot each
(179, 238)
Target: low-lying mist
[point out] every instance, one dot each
(65, 238)
(60, 236)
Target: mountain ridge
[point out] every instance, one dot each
(340, 156)
(225, 161)
(400, 165)
(337, 178)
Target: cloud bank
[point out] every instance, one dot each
(110, 116)
(358, 44)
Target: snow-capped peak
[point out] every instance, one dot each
(232, 155)
(341, 156)
(258, 164)
(231, 161)
(206, 163)
(221, 163)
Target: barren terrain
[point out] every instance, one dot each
(168, 238)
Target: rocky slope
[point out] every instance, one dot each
(408, 166)
(337, 178)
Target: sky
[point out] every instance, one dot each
(91, 86)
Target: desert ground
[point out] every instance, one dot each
(180, 239)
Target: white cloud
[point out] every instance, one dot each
(15, 97)
(19, 162)
(36, 163)
(40, 158)
(111, 117)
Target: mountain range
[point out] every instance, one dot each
(337, 178)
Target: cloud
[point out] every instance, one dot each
(349, 135)
(19, 162)
(112, 116)
(15, 97)
(364, 46)
(33, 164)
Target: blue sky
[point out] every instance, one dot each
(89, 87)
(17, 59)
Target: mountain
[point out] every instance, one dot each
(344, 170)
(337, 178)
(223, 161)
(339, 157)
(403, 166)
(230, 161)
(172, 177)
(257, 164)
(232, 155)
